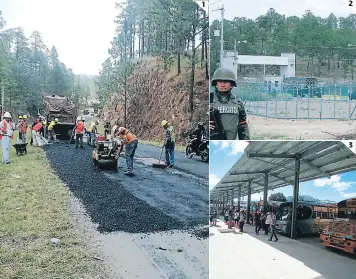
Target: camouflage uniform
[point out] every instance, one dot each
(232, 111)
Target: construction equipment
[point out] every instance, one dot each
(106, 152)
(64, 110)
(159, 165)
(21, 148)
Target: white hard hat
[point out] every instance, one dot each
(122, 130)
(79, 118)
(7, 115)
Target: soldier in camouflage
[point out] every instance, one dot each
(232, 111)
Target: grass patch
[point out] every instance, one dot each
(34, 209)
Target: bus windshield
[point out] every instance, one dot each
(347, 209)
(284, 213)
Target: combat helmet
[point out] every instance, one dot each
(224, 74)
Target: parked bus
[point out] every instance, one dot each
(307, 212)
(340, 233)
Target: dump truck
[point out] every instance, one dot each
(60, 107)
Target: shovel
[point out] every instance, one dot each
(159, 165)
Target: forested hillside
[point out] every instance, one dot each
(157, 66)
(325, 47)
(28, 69)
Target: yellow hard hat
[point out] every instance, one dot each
(25, 116)
(20, 117)
(164, 123)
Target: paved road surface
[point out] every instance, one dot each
(145, 226)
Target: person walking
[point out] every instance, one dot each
(6, 135)
(268, 222)
(273, 227)
(215, 217)
(231, 216)
(242, 220)
(130, 141)
(236, 218)
(257, 222)
(169, 143)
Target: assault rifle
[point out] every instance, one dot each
(218, 133)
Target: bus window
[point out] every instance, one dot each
(304, 213)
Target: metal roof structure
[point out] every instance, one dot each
(318, 159)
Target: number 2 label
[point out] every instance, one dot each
(351, 3)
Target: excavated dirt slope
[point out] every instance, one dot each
(157, 94)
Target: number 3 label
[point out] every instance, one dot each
(351, 145)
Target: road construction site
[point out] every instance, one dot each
(150, 224)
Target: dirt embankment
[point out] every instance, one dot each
(155, 93)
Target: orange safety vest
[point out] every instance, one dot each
(80, 127)
(37, 127)
(23, 126)
(128, 137)
(4, 130)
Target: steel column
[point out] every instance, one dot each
(295, 198)
(265, 191)
(248, 202)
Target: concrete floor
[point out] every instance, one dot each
(251, 256)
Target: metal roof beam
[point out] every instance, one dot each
(268, 155)
(245, 172)
(315, 168)
(272, 163)
(234, 181)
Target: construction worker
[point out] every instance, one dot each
(107, 128)
(169, 143)
(6, 134)
(231, 110)
(79, 131)
(36, 132)
(50, 129)
(92, 131)
(130, 142)
(23, 129)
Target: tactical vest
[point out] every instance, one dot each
(229, 114)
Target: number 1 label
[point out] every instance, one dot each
(203, 4)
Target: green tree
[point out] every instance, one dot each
(277, 197)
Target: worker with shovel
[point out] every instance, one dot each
(6, 134)
(79, 132)
(130, 141)
(50, 129)
(169, 143)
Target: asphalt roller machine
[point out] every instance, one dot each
(107, 151)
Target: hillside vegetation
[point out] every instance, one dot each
(157, 68)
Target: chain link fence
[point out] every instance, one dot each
(296, 101)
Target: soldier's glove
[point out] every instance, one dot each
(242, 131)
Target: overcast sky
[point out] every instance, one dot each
(81, 30)
(255, 8)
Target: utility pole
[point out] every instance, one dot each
(2, 99)
(221, 33)
(264, 66)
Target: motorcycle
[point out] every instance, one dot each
(202, 151)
